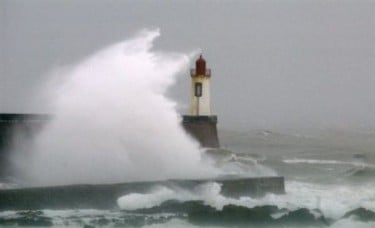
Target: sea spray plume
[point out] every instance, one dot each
(113, 123)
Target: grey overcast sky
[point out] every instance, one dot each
(276, 63)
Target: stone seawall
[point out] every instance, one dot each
(15, 127)
(105, 196)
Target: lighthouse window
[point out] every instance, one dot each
(198, 89)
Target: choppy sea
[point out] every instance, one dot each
(330, 182)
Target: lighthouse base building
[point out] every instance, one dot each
(201, 124)
(203, 129)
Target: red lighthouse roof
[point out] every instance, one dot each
(200, 66)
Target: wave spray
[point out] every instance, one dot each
(113, 122)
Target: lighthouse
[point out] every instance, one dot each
(200, 123)
(200, 89)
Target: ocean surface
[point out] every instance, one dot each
(330, 182)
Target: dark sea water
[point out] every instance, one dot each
(330, 182)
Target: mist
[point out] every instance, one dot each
(275, 64)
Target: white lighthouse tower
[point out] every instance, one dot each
(200, 89)
(201, 124)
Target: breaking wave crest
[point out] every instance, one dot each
(361, 172)
(112, 121)
(304, 203)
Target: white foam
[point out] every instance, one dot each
(67, 218)
(209, 193)
(332, 201)
(242, 169)
(327, 162)
(174, 223)
(351, 222)
(156, 197)
(8, 185)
